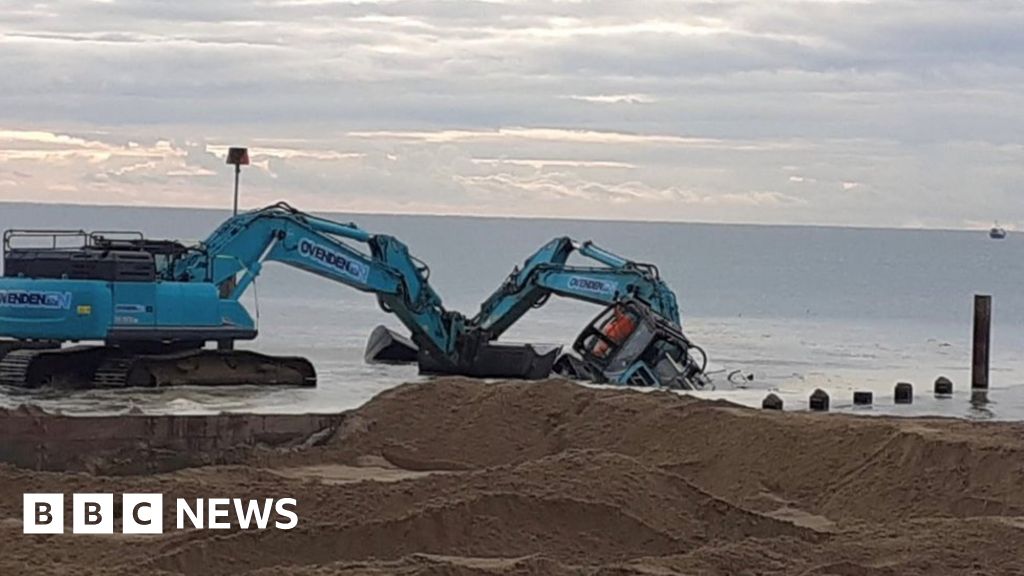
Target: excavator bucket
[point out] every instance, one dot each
(481, 360)
(498, 360)
(388, 347)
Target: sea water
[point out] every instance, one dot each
(799, 308)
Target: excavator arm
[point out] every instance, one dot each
(546, 272)
(233, 255)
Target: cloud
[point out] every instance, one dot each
(541, 134)
(543, 163)
(616, 98)
(878, 113)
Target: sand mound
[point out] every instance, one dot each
(836, 466)
(458, 477)
(550, 506)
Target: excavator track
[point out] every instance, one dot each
(108, 367)
(20, 352)
(14, 368)
(112, 372)
(203, 368)
(70, 367)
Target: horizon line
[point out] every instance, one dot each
(513, 217)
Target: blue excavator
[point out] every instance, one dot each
(114, 309)
(636, 340)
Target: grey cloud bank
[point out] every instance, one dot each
(895, 113)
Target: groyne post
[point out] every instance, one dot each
(982, 334)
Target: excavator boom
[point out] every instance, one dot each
(547, 273)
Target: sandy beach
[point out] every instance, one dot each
(457, 476)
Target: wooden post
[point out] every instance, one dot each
(903, 393)
(982, 333)
(772, 402)
(819, 401)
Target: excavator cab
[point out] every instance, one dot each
(628, 344)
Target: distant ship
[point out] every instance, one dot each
(997, 232)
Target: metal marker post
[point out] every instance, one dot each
(239, 157)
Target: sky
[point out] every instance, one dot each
(896, 113)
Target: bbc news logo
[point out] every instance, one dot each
(144, 513)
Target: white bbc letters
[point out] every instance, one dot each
(43, 514)
(92, 514)
(142, 513)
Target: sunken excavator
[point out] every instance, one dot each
(113, 310)
(636, 340)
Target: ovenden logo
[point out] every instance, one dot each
(339, 262)
(33, 299)
(144, 513)
(601, 287)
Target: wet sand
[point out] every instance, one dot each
(460, 477)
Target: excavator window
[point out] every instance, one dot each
(617, 338)
(612, 328)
